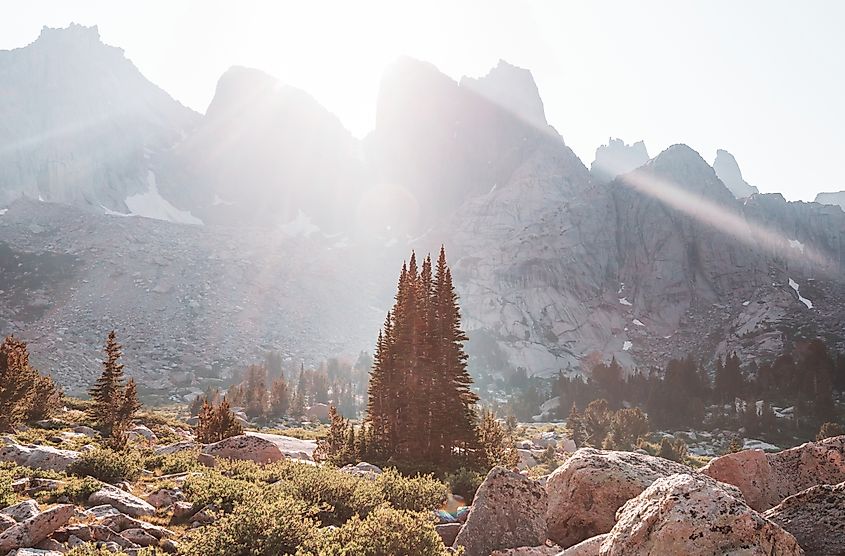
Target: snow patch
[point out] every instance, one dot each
(621, 288)
(299, 226)
(794, 285)
(627, 345)
(795, 244)
(3, 211)
(746, 303)
(217, 201)
(111, 212)
(624, 301)
(152, 205)
(638, 322)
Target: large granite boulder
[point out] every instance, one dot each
(585, 492)
(508, 511)
(816, 518)
(120, 499)
(766, 479)
(38, 457)
(691, 515)
(29, 533)
(261, 448)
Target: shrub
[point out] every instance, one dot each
(107, 465)
(168, 464)
(675, 450)
(255, 528)
(7, 495)
(223, 492)
(216, 423)
(76, 490)
(383, 531)
(830, 429)
(464, 482)
(422, 492)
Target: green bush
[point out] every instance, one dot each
(464, 482)
(168, 464)
(109, 466)
(384, 531)
(419, 493)
(255, 528)
(7, 494)
(223, 492)
(74, 489)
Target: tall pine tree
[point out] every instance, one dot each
(114, 401)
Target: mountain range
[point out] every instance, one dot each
(263, 224)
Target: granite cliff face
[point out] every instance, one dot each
(832, 198)
(728, 171)
(79, 123)
(304, 228)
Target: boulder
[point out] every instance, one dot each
(165, 497)
(121, 523)
(35, 529)
(526, 459)
(766, 479)
(245, 447)
(543, 550)
(816, 518)
(318, 412)
(38, 457)
(294, 448)
(22, 510)
(182, 510)
(448, 532)
(585, 492)
(363, 469)
(139, 536)
(142, 431)
(6, 522)
(87, 431)
(122, 500)
(104, 510)
(35, 552)
(589, 547)
(182, 446)
(508, 512)
(691, 515)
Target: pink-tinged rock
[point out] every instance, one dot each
(122, 500)
(766, 479)
(508, 512)
(693, 516)
(245, 447)
(587, 490)
(6, 522)
(816, 518)
(22, 510)
(589, 547)
(35, 529)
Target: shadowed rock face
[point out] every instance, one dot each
(728, 171)
(814, 517)
(834, 198)
(617, 158)
(79, 124)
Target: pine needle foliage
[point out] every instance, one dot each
(114, 400)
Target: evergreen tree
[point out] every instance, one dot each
(420, 403)
(216, 423)
(279, 398)
(575, 426)
(17, 383)
(114, 401)
(46, 398)
(596, 422)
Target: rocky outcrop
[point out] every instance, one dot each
(41, 457)
(689, 514)
(836, 198)
(589, 547)
(121, 500)
(587, 490)
(508, 511)
(511, 88)
(35, 529)
(617, 158)
(728, 171)
(816, 518)
(766, 479)
(22, 510)
(246, 447)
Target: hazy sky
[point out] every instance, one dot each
(763, 79)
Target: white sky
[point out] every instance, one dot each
(763, 79)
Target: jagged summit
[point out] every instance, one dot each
(617, 158)
(72, 34)
(832, 198)
(728, 171)
(512, 88)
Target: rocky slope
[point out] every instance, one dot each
(834, 198)
(305, 228)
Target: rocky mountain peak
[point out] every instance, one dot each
(617, 158)
(512, 88)
(72, 34)
(685, 168)
(836, 198)
(728, 171)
